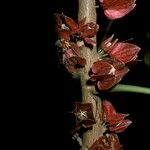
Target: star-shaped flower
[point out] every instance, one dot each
(84, 115)
(81, 115)
(107, 73)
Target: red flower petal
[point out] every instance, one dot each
(88, 123)
(71, 24)
(125, 52)
(107, 44)
(73, 63)
(64, 34)
(84, 115)
(110, 115)
(121, 51)
(107, 73)
(121, 126)
(115, 9)
(121, 73)
(90, 41)
(101, 68)
(82, 22)
(106, 82)
(80, 61)
(77, 61)
(114, 119)
(58, 21)
(89, 30)
(108, 110)
(115, 63)
(118, 13)
(75, 48)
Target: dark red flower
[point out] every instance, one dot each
(115, 9)
(73, 63)
(88, 29)
(107, 142)
(107, 73)
(84, 115)
(67, 29)
(82, 31)
(116, 121)
(72, 58)
(58, 22)
(121, 51)
(64, 35)
(62, 30)
(70, 55)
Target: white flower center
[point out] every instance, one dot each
(81, 115)
(63, 26)
(112, 71)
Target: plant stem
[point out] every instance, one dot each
(87, 9)
(130, 88)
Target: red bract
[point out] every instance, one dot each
(121, 51)
(115, 9)
(116, 121)
(107, 73)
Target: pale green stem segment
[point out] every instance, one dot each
(130, 88)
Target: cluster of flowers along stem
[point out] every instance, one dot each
(111, 66)
(114, 56)
(113, 123)
(70, 33)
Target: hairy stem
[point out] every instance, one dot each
(87, 9)
(130, 88)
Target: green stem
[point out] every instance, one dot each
(130, 88)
